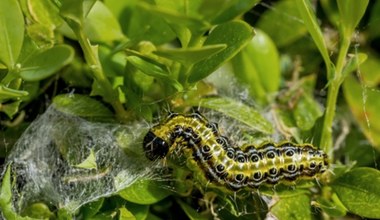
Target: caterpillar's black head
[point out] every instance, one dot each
(154, 147)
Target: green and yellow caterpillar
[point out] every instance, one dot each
(229, 166)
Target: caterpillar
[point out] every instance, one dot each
(226, 165)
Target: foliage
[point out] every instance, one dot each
(129, 60)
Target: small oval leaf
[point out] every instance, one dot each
(11, 32)
(154, 70)
(351, 12)
(144, 192)
(310, 20)
(190, 56)
(81, 106)
(293, 208)
(235, 35)
(359, 191)
(46, 63)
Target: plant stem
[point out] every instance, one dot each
(333, 91)
(92, 60)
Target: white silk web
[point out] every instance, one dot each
(67, 161)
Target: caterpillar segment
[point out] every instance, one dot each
(230, 166)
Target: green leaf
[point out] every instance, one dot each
(174, 17)
(373, 30)
(188, 8)
(333, 208)
(125, 214)
(139, 24)
(246, 72)
(44, 12)
(118, 7)
(44, 19)
(90, 209)
(82, 106)
(154, 70)
(189, 56)
(310, 20)
(231, 10)
(39, 211)
(46, 63)
(266, 60)
(359, 191)
(351, 12)
(358, 149)
(235, 35)
(289, 30)
(238, 111)
(29, 49)
(101, 26)
(258, 66)
(292, 208)
(6, 191)
(330, 8)
(306, 112)
(89, 162)
(106, 215)
(72, 12)
(139, 211)
(190, 212)
(145, 192)
(369, 67)
(183, 33)
(11, 32)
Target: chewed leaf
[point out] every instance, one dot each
(238, 111)
(359, 191)
(295, 207)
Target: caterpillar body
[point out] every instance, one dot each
(226, 165)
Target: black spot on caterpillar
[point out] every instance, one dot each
(227, 165)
